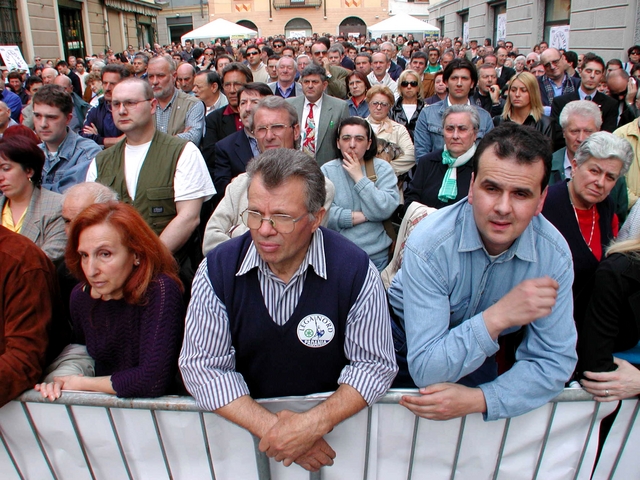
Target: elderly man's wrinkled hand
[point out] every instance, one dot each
(292, 436)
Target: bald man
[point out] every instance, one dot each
(5, 118)
(185, 78)
(48, 75)
(80, 107)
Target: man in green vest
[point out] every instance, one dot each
(178, 113)
(164, 177)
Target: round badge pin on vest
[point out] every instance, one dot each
(315, 330)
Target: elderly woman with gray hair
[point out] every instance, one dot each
(582, 210)
(443, 177)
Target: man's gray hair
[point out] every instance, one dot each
(169, 61)
(471, 110)
(337, 47)
(143, 57)
(605, 145)
(274, 102)
(295, 64)
(277, 165)
(583, 108)
(99, 192)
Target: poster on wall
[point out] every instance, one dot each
(296, 33)
(465, 32)
(12, 57)
(502, 27)
(559, 37)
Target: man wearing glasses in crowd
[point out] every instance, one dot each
(336, 75)
(258, 69)
(555, 81)
(272, 305)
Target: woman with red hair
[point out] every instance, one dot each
(127, 308)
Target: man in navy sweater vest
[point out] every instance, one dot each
(288, 308)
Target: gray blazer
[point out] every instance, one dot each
(297, 88)
(332, 113)
(43, 222)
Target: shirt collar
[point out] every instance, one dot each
(175, 94)
(317, 103)
(523, 247)
(315, 258)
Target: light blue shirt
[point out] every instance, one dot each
(448, 280)
(69, 165)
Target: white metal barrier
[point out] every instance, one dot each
(96, 436)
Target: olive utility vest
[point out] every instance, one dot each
(155, 196)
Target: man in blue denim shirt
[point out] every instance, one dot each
(67, 154)
(484, 267)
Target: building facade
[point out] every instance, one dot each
(291, 17)
(605, 27)
(54, 29)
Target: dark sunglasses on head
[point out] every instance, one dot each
(406, 84)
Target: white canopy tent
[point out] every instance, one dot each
(219, 28)
(402, 24)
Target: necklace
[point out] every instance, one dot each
(593, 221)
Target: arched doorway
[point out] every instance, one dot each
(352, 26)
(248, 24)
(298, 27)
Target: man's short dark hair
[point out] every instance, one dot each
(572, 58)
(54, 96)
(291, 49)
(434, 49)
(115, 68)
(591, 57)
(313, 69)
(260, 88)
(32, 80)
(14, 74)
(62, 63)
(324, 41)
(460, 64)
(212, 77)
(238, 67)
(278, 40)
(421, 55)
(365, 54)
(267, 50)
(513, 141)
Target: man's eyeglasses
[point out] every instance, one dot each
(279, 222)
(276, 129)
(406, 84)
(128, 103)
(319, 53)
(250, 54)
(552, 62)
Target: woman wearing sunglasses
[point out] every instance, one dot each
(409, 105)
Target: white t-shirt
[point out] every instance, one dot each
(409, 110)
(191, 181)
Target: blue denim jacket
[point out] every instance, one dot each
(428, 135)
(71, 163)
(447, 280)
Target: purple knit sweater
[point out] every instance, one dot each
(137, 345)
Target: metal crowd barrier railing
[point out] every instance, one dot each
(98, 436)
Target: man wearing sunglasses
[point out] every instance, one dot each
(258, 69)
(555, 81)
(289, 308)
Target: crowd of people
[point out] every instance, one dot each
(214, 220)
